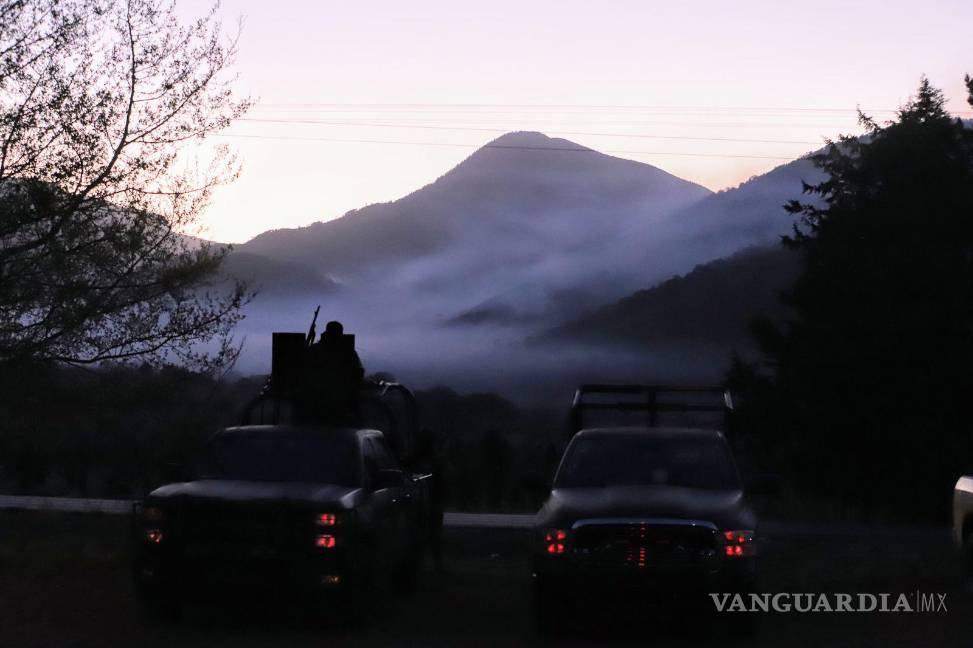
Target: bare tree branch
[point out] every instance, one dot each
(99, 103)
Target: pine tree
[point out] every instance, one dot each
(871, 373)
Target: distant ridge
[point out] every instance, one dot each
(275, 277)
(714, 303)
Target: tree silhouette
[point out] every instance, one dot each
(100, 104)
(869, 394)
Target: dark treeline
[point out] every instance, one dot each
(117, 431)
(711, 304)
(107, 432)
(498, 456)
(863, 395)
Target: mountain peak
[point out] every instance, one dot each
(539, 199)
(532, 139)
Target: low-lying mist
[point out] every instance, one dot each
(475, 358)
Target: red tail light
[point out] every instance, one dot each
(555, 540)
(325, 542)
(326, 519)
(739, 543)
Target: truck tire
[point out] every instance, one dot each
(968, 558)
(359, 597)
(158, 605)
(406, 577)
(743, 625)
(548, 609)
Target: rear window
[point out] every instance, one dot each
(647, 460)
(285, 457)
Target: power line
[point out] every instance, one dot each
(502, 130)
(546, 114)
(520, 119)
(763, 120)
(618, 107)
(499, 146)
(623, 107)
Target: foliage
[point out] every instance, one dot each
(109, 431)
(711, 304)
(100, 101)
(496, 456)
(867, 401)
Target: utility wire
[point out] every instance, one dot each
(545, 114)
(763, 124)
(499, 146)
(599, 107)
(483, 116)
(503, 130)
(622, 107)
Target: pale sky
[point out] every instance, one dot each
(446, 76)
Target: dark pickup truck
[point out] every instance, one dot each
(642, 510)
(306, 499)
(288, 510)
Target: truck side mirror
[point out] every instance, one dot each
(389, 478)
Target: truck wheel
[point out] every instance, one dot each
(743, 625)
(351, 609)
(968, 559)
(740, 625)
(407, 576)
(159, 605)
(547, 608)
(357, 599)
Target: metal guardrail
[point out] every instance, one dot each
(66, 504)
(489, 520)
(124, 507)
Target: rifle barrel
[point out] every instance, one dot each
(311, 331)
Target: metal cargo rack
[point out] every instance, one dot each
(651, 399)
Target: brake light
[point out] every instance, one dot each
(326, 519)
(325, 542)
(739, 543)
(555, 540)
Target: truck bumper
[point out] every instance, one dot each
(190, 577)
(562, 574)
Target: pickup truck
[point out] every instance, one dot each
(318, 513)
(963, 521)
(642, 511)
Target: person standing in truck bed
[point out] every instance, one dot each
(333, 377)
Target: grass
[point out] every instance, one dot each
(64, 581)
